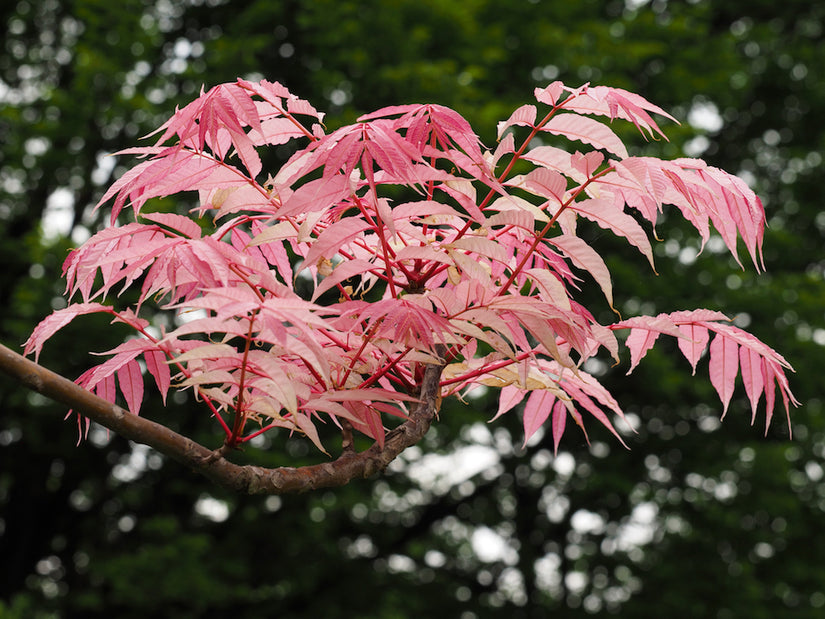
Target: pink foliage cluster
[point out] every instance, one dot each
(418, 245)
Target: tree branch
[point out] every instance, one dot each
(243, 479)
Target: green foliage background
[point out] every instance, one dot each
(697, 520)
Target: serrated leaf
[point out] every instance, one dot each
(752, 376)
(156, 365)
(276, 131)
(537, 409)
(694, 344)
(206, 351)
(724, 366)
(305, 425)
(341, 272)
(586, 130)
(509, 397)
(56, 321)
(212, 377)
(550, 93)
(332, 239)
(559, 422)
(130, 380)
(524, 115)
(546, 183)
(639, 342)
(610, 218)
(582, 255)
(280, 388)
(184, 225)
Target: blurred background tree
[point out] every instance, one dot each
(698, 519)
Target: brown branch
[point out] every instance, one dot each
(243, 479)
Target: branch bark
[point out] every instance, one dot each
(237, 478)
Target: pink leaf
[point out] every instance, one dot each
(131, 384)
(582, 389)
(205, 350)
(546, 183)
(106, 389)
(640, 341)
(694, 344)
(156, 364)
(536, 411)
(770, 394)
(524, 115)
(275, 131)
(59, 319)
(509, 397)
(341, 272)
(405, 322)
(448, 128)
(743, 338)
(179, 223)
(369, 395)
(305, 425)
(505, 147)
(554, 159)
(586, 130)
(609, 217)
(550, 93)
(176, 170)
(512, 217)
(332, 239)
(481, 247)
(274, 252)
(752, 376)
(316, 195)
(582, 255)
(724, 365)
(587, 163)
(559, 421)
(375, 428)
(697, 315)
(618, 103)
(391, 110)
(295, 105)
